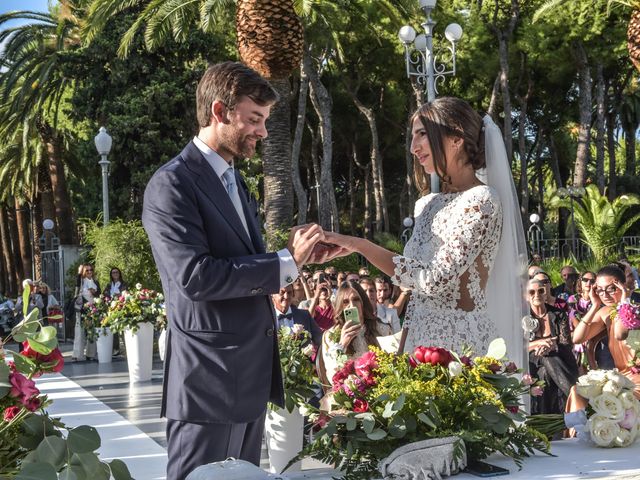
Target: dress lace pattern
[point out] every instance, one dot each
(455, 238)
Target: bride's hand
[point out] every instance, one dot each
(345, 241)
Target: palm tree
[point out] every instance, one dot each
(601, 223)
(32, 87)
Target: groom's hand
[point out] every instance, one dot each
(325, 252)
(302, 240)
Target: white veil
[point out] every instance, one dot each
(507, 281)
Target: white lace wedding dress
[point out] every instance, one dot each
(448, 259)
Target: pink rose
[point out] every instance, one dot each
(360, 406)
(629, 420)
(527, 379)
(536, 391)
(365, 364)
(10, 412)
(22, 387)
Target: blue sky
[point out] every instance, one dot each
(34, 5)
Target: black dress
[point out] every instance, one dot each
(558, 369)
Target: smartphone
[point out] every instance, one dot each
(351, 316)
(483, 469)
(322, 278)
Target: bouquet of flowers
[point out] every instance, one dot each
(612, 417)
(94, 315)
(628, 314)
(32, 444)
(382, 401)
(134, 307)
(298, 371)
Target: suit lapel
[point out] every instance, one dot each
(250, 214)
(212, 187)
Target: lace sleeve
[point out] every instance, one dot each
(475, 226)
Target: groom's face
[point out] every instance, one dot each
(244, 126)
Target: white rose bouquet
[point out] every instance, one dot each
(611, 419)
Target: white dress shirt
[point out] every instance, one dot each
(288, 267)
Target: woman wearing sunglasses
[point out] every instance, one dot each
(606, 293)
(550, 351)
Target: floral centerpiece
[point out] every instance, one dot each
(32, 445)
(628, 314)
(612, 417)
(94, 315)
(133, 307)
(382, 401)
(298, 371)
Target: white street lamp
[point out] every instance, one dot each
(103, 143)
(534, 218)
(421, 61)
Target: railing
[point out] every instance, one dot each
(566, 247)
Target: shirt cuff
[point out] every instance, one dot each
(288, 268)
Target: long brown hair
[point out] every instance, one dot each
(370, 320)
(449, 117)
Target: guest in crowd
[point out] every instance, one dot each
(363, 272)
(630, 280)
(608, 291)
(115, 287)
(353, 277)
(299, 291)
(287, 314)
(550, 299)
(533, 269)
(595, 352)
(568, 287)
(35, 300)
(351, 340)
(321, 308)
(49, 301)
(87, 289)
(388, 315)
(550, 351)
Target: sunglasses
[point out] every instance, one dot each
(609, 290)
(539, 291)
(588, 280)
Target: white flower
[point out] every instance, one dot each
(308, 350)
(611, 387)
(603, 431)
(609, 406)
(588, 389)
(595, 376)
(620, 380)
(628, 399)
(27, 283)
(297, 329)
(455, 369)
(138, 286)
(285, 331)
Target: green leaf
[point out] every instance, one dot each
(368, 424)
(37, 471)
(399, 403)
(119, 470)
(69, 474)
(26, 293)
(45, 340)
(352, 424)
(83, 439)
(52, 450)
(23, 363)
(5, 386)
(93, 468)
(398, 427)
(426, 420)
(27, 327)
(377, 434)
(389, 411)
(633, 340)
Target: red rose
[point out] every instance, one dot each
(466, 361)
(54, 357)
(436, 356)
(365, 364)
(27, 351)
(32, 404)
(510, 368)
(10, 412)
(494, 367)
(412, 362)
(22, 387)
(418, 353)
(12, 366)
(360, 406)
(512, 408)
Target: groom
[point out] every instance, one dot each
(222, 364)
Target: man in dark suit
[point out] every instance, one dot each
(288, 315)
(222, 364)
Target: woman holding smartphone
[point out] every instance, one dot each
(355, 328)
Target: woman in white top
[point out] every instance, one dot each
(48, 301)
(465, 293)
(87, 289)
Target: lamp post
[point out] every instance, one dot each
(572, 193)
(408, 228)
(103, 143)
(421, 61)
(534, 233)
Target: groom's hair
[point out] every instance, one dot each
(227, 82)
(449, 117)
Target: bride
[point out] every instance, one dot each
(465, 260)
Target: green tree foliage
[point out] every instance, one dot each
(124, 245)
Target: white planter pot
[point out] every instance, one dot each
(139, 352)
(105, 345)
(162, 343)
(283, 435)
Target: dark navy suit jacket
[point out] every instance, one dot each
(222, 360)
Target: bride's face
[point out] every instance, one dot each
(421, 147)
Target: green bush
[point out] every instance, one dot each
(124, 245)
